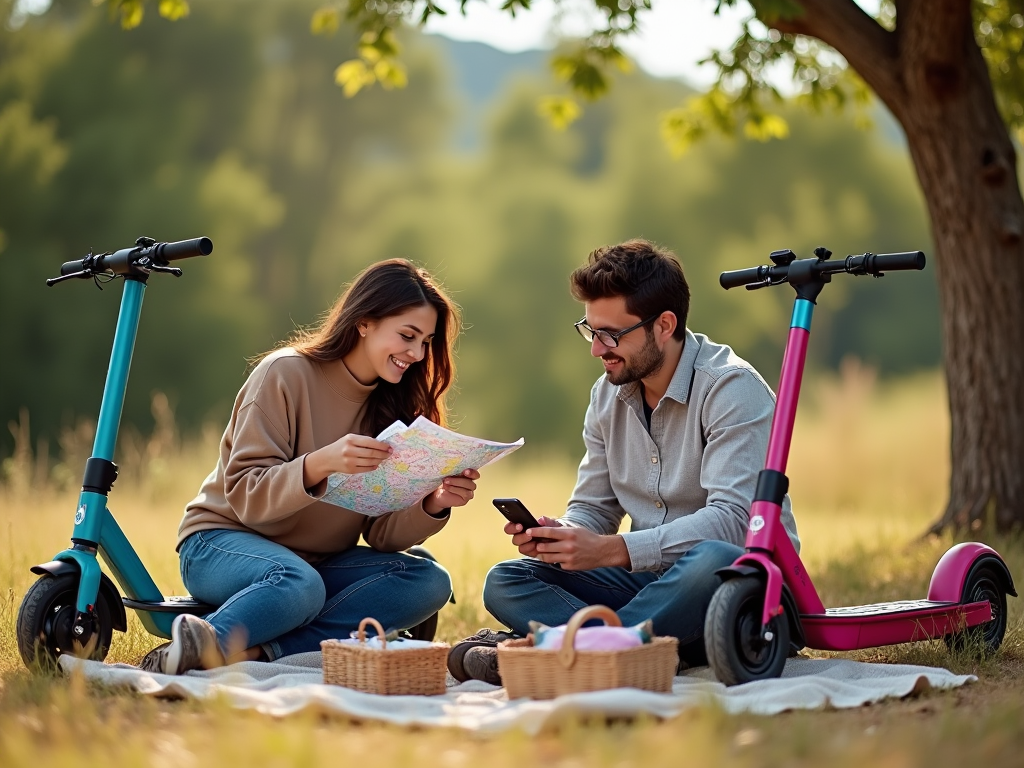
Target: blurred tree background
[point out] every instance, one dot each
(228, 124)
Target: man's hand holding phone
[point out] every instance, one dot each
(548, 540)
(526, 542)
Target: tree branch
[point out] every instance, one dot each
(867, 46)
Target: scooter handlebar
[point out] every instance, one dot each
(865, 264)
(121, 262)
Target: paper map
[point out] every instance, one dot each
(424, 454)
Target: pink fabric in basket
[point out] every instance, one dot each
(592, 638)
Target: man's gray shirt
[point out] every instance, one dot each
(692, 477)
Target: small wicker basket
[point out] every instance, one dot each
(416, 671)
(528, 672)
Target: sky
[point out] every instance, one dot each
(674, 35)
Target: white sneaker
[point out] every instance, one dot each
(193, 645)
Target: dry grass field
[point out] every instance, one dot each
(866, 478)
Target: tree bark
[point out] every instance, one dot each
(933, 78)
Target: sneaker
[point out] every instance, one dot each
(481, 663)
(484, 639)
(193, 645)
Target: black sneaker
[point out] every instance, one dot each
(481, 663)
(484, 639)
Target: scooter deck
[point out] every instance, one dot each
(172, 604)
(901, 621)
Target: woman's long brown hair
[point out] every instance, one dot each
(386, 289)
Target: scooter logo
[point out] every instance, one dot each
(80, 515)
(756, 523)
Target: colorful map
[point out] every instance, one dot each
(424, 454)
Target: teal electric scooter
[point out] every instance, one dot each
(73, 607)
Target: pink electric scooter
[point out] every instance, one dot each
(767, 603)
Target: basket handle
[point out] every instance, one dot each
(376, 625)
(567, 653)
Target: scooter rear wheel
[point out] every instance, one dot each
(736, 649)
(984, 582)
(46, 617)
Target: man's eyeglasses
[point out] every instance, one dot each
(608, 338)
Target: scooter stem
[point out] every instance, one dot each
(793, 360)
(93, 523)
(117, 372)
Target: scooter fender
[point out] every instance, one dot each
(951, 573)
(755, 563)
(118, 618)
(789, 609)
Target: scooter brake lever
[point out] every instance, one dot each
(170, 270)
(52, 281)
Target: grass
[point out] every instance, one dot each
(867, 478)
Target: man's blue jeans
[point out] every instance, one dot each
(518, 591)
(270, 596)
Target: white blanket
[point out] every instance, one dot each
(296, 683)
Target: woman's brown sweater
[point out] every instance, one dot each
(290, 406)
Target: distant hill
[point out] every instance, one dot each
(480, 74)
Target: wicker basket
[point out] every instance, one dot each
(416, 671)
(530, 673)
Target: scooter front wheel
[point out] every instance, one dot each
(46, 619)
(983, 582)
(736, 647)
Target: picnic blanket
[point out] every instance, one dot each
(295, 683)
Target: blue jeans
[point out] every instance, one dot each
(271, 597)
(518, 591)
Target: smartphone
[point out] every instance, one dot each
(516, 512)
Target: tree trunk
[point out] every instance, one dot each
(967, 167)
(932, 76)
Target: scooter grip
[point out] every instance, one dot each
(71, 267)
(737, 277)
(184, 249)
(890, 262)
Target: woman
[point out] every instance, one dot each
(285, 568)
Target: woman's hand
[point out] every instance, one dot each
(351, 455)
(453, 492)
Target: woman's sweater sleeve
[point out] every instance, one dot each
(262, 476)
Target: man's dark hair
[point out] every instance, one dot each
(649, 278)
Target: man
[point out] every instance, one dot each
(676, 433)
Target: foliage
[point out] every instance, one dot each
(999, 31)
(219, 125)
(744, 92)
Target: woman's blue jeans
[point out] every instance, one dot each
(518, 591)
(271, 597)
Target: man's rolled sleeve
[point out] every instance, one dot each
(644, 549)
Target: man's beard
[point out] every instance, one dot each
(646, 362)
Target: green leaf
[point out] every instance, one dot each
(390, 74)
(353, 76)
(560, 111)
(680, 129)
(131, 13)
(173, 9)
(765, 127)
(583, 75)
(325, 21)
